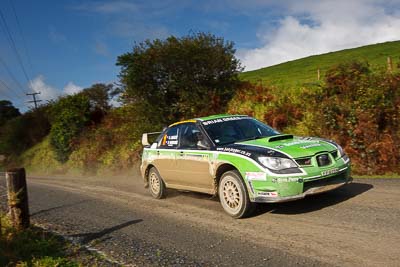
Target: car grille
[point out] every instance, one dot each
(336, 179)
(304, 161)
(334, 154)
(323, 160)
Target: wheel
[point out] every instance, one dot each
(233, 195)
(156, 184)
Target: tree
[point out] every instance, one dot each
(99, 95)
(24, 131)
(69, 116)
(179, 78)
(7, 111)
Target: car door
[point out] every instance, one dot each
(193, 163)
(166, 153)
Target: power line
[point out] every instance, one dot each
(6, 86)
(19, 86)
(6, 93)
(16, 102)
(11, 40)
(22, 36)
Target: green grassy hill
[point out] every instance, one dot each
(303, 71)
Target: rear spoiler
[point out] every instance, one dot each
(145, 140)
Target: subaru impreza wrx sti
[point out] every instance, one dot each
(243, 161)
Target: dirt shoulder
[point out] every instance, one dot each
(352, 226)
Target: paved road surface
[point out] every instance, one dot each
(358, 225)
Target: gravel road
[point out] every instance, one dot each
(357, 225)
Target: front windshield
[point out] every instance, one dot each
(235, 129)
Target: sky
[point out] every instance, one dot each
(60, 47)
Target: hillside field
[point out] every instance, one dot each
(303, 71)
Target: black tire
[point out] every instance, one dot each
(233, 195)
(156, 184)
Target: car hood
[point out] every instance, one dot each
(293, 146)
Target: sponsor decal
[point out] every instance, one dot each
(311, 145)
(298, 142)
(171, 140)
(287, 180)
(256, 176)
(331, 171)
(267, 194)
(234, 150)
(223, 120)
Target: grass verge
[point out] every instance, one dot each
(38, 247)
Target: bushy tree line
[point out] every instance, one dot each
(163, 81)
(64, 119)
(23, 131)
(361, 109)
(354, 106)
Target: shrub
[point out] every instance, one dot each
(22, 132)
(360, 109)
(279, 110)
(112, 145)
(69, 115)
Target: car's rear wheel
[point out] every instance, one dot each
(156, 184)
(233, 195)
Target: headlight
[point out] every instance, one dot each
(277, 163)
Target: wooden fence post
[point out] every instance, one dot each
(389, 64)
(318, 74)
(17, 192)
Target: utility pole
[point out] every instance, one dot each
(35, 101)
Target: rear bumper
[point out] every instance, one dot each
(308, 192)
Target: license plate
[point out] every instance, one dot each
(328, 172)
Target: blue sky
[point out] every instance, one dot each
(69, 45)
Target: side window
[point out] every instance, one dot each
(170, 138)
(192, 138)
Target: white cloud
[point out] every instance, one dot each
(48, 92)
(312, 27)
(71, 89)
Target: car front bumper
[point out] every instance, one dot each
(313, 190)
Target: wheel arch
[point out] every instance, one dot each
(146, 175)
(223, 168)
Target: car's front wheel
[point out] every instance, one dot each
(233, 195)
(156, 184)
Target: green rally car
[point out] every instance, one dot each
(243, 161)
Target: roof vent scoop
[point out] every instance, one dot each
(280, 137)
